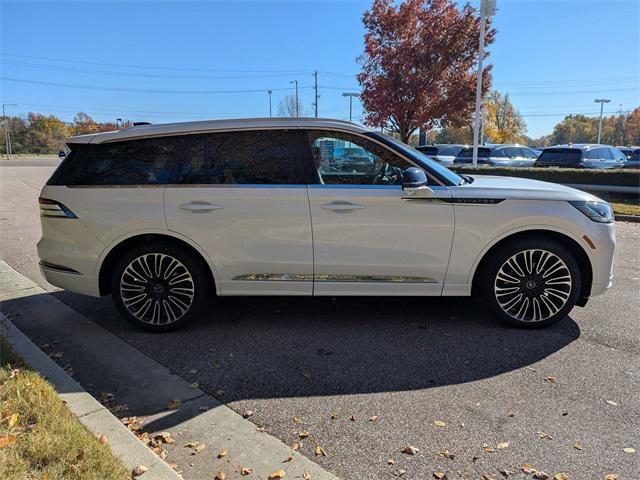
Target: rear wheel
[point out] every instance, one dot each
(158, 287)
(532, 283)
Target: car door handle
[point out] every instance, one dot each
(339, 206)
(199, 206)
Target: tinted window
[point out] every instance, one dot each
(598, 154)
(560, 155)
(258, 157)
(618, 155)
(528, 153)
(450, 151)
(342, 158)
(153, 161)
(483, 152)
(429, 150)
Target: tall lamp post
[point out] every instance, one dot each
(297, 103)
(601, 101)
(270, 92)
(487, 9)
(350, 95)
(7, 135)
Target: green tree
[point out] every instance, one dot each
(575, 129)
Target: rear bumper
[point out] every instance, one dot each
(74, 282)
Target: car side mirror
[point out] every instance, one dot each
(413, 178)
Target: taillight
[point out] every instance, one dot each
(51, 208)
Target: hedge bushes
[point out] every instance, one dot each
(619, 177)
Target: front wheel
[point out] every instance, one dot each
(158, 287)
(532, 283)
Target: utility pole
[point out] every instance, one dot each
(350, 95)
(7, 135)
(315, 87)
(487, 9)
(270, 92)
(601, 101)
(297, 103)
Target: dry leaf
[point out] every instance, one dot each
(544, 435)
(447, 454)
(139, 470)
(611, 476)
(488, 449)
(399, 473)
(9, 440)
(244, 471)
(287, 460)
(352, 418)
(296, 446)
(561, 476)
(173, 404)
(103, 439)
(334, 416)
(438, 423)
(303, 434)
(551, 379)
(222, 453)
(320, 451)
(410, 450)
(502, 445)
(629, 450)
(540, 476)
(306, 475)
(220, 475)
(486, 476)
(527, 468)
(373, 418)
(247, 413)
(440, 475)
(391, 461)
(297, 420)
(219, 392)
(577, 446)
(198, 448)
(191, 444)
(277, 475)
(611, 402)
(14, 419)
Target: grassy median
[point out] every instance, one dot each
(39, 437)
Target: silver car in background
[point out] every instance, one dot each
(499, 155)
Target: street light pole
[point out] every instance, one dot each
(601, 101)
(350, 95)
(487, 9)
(270, 92)
(297, 104)
(7, 135)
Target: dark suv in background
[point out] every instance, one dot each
(499, 156)
(633, 156)
(581, 155)
(443, 153)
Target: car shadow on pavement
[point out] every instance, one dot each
(268, 347)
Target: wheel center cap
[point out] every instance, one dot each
(530, 284)
(157, 288)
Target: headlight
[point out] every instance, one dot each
(596, 211)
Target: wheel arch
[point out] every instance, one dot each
(110, 256)
(576, 249)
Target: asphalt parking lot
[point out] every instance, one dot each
(367, 377)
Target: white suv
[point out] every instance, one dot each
(163, 216)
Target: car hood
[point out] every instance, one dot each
(486, 186)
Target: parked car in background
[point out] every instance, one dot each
(62, 154)
(581, 155)
(499, 155)
(443, 152)
(126, 214)
(633, 156)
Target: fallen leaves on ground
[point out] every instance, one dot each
(196, 446)
(320, 451)
(248, 413)
(391, 461)
(544, 435)
(373, 418)
(288, 459)
(244, 471)
(13, 419)
(440, 475)
(447, 454)
(220, 475)
(173, 404)
(502, 445)
(222, 453)
(561, 476)
(139, 470)
(527, 468)
(488, 449)
(399, 473)
(277, 475)
(8, 440)
(629, 450)
(164, 437)
(577, 446)
(410, 450)
(611, 476)
(540, 476)
(296, 446)
(551, 379)
(611, 402)
(296, 420)
(303, 434)
(306, 475)
(103, 439)
(439, 423)
(486, 476)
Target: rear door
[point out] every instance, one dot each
(249, 211)
(368, 238)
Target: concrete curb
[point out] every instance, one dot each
(91, 413)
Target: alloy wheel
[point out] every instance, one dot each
(157, 288)
(533, 285)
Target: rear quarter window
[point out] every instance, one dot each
(153, 161)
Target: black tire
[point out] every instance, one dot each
(549, 288)
(166, 274)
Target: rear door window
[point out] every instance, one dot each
(259, 157)
(561, 155)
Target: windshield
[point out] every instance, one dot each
(440, 172)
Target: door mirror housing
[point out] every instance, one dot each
(414, 178)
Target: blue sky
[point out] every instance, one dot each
(552, 57)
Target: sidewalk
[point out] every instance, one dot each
(133, 385)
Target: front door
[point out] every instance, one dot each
(368, 238)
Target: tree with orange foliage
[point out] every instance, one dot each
(418, 64)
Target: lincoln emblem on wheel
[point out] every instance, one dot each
(163, 217)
